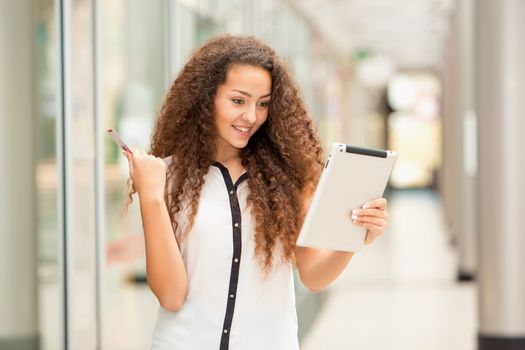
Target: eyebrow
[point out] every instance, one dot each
(249, 95)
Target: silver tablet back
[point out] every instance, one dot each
(352, 177)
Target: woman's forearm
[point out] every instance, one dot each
(165, 269)
(318, 268)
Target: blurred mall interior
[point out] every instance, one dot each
(438, 81)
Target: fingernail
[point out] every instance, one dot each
(354, 218)
(354, 212)
(366, 206)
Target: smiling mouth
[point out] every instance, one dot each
(242, 129)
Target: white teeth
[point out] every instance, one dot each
(241, 129)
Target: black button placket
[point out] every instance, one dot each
(236, 259)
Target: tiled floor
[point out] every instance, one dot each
(400, 292)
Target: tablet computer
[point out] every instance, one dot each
(351, 177)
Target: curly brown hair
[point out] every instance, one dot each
(283, 159)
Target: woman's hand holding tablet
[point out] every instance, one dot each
(372, 216)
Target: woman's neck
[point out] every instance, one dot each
(226, 153)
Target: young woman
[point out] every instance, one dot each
(221, 220)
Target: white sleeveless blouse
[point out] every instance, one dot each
(231, 303)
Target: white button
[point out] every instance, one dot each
(236, 224)
(225, 331)
(231, 295)
(236, 260)
(231, 192)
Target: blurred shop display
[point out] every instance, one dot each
(414, 129)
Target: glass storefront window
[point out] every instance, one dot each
(50, 295)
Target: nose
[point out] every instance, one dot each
(250, 115)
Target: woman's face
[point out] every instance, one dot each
(241, 105)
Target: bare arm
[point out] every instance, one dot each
(166, 273)
(318, 268)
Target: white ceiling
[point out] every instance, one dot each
(412, 33)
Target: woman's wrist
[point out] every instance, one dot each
(150, 196)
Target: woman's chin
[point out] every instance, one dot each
(240, 144)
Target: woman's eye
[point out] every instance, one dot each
(264, 104)
(237, 101)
